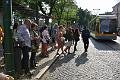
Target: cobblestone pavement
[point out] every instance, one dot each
(101, 62)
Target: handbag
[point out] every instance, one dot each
(18, 43)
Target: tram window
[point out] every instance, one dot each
(104, 25)
(113, 25)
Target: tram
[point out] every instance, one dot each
(103, 27)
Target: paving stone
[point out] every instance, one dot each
(102, 62)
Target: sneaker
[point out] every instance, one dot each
(62, 53)
(58, 54)
(29, 74)
(85, 51)
(52, 49)
(33, 67)
(65, 51)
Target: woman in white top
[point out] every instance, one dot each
(45, 41)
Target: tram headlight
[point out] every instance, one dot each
(113, 33)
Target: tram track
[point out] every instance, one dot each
(106, 44)
(112, 45)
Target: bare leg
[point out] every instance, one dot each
(58, 50)
(66, 49)
(62, 49)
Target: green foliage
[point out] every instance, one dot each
(84, 17)
(63, 10)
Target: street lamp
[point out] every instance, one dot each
(8, 41)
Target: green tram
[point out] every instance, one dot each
(103, 27)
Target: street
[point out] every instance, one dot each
(101, 62)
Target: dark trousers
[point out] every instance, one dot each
(17, 59)
(25, 59)
(33, 59)
(75, 45)
(86, 44)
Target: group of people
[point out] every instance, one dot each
(57, 36)
(25, 37)
(66, 37)
(28, 38)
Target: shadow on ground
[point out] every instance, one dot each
(111, 45)
(81, 59)
(62, 59)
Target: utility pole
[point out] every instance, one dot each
(8, 41)
(96, 12)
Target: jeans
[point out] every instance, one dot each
(25, 59)
(33, 59)
(75, 45)
(86, 44)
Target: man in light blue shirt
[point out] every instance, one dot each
(24, 36)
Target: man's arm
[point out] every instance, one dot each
(20, 34)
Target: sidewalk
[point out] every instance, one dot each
(43, 66)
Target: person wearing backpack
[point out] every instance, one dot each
(85, 38)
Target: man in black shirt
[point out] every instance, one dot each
(85, 37)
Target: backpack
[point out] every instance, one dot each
(85, 34)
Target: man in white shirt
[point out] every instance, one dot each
(24, 36)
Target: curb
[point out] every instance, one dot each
(45, 69)
(43, 65)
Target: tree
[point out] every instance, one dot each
(84, 17)
(65, 11)
(55, 8)
(40, 5)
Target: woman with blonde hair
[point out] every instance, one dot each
(60, 39)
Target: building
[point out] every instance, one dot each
(116, 11)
